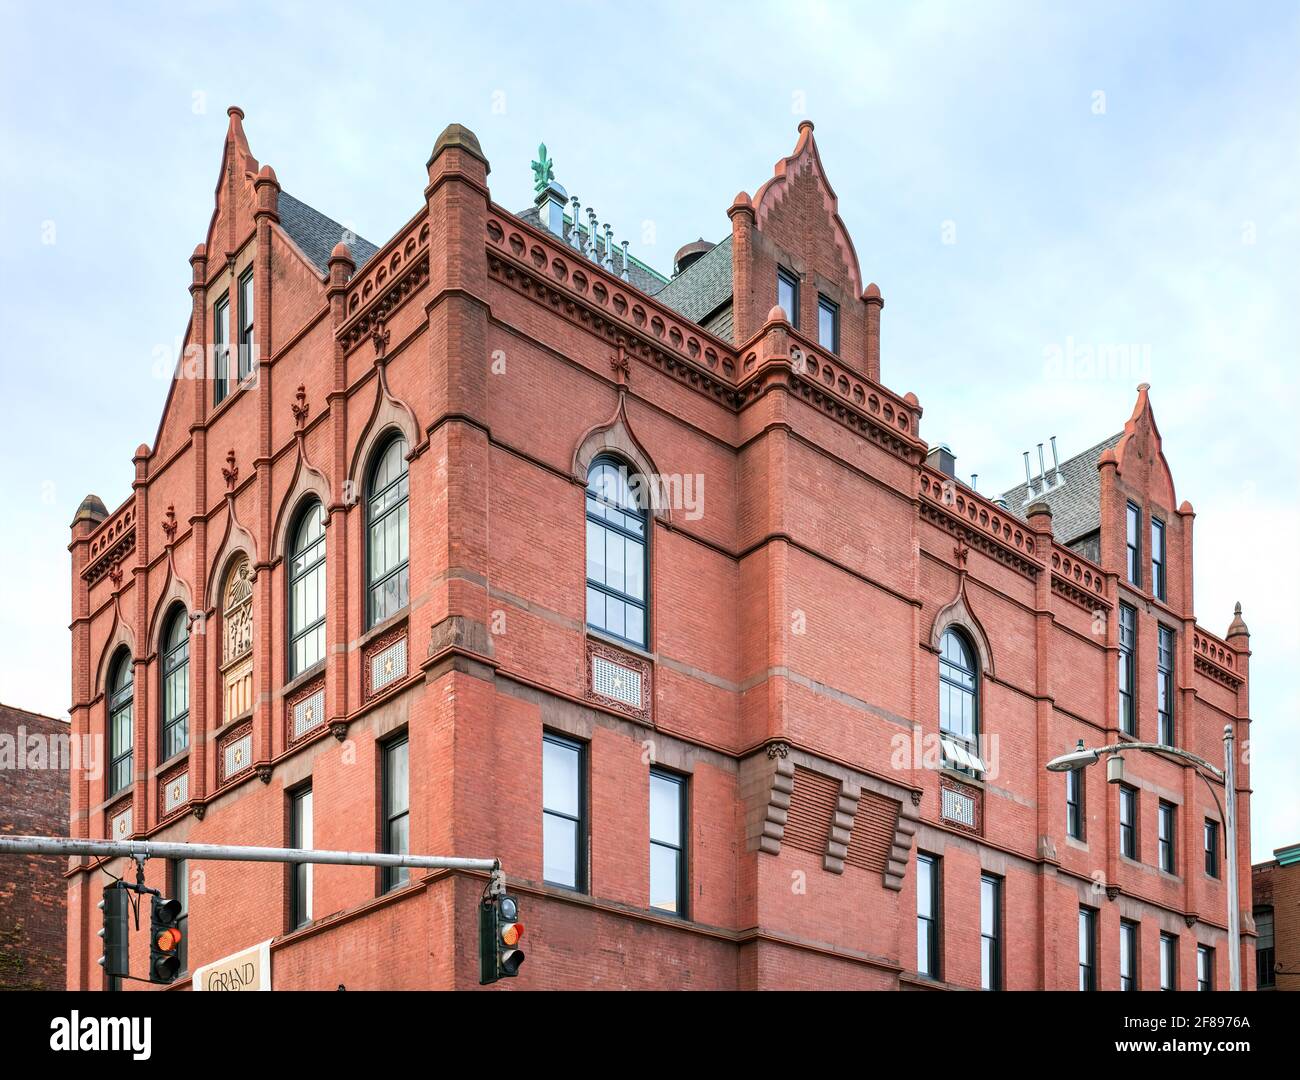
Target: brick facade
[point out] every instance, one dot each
(791, 661)
(1276, 890)
(35, 755)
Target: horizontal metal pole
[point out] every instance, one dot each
(113, 849)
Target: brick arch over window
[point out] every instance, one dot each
(957, 613)
(236, 542)
(308, 483)
(175, 591)
(121, 634)
(390, 414)
(615, 439)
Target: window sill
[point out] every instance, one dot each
(381, 628)
(299, 681)
(619, 643)
(171, 762)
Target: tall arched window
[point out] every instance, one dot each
(307, 590)
(388, 577)
(176, 683)
(959, 700)
(121, 721)
(616, 552)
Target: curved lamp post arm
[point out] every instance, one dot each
(1161, 748)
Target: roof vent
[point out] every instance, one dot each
(690, 253)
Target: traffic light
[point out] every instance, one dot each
(499, 931)
(116, 960)
(164, 939)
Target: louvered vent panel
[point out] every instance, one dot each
(873, 832)
(812, 805)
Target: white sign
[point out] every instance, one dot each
(246, 970)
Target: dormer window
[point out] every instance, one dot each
(787, 294)
(828, 324)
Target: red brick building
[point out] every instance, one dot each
(493, 541)
(1276, 896)
(35, 758)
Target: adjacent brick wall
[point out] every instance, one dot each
(33, 894)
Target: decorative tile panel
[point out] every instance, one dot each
(385, 661)
(174, 791)
(961, 805)
(618, 680)
(120, 822)
(306, 712)
(235, 753)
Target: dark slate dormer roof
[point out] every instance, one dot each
(639, 275)
(1076, 501)
(317, 234)
(703, 287)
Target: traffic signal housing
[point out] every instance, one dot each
(116, 907)
(164, 939)
(499, 932)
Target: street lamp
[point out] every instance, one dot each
(1081, 757)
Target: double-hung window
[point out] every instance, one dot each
(787, 294)
(564, 827)
(1167, 822)
(397, 808)
(927, 915)
(1075, 793)
(667, 842)
(1127, 642)
(1128, 955)
(300, 881)
(1087, 948)
(1165, 686)
(1168, 961)
(1128, 821)
(1158, 558)
(1133, 543)
(990, 932)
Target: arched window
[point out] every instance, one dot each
(307, 590)
(959, 700)
(388, 577)
(616, 552)
(121, 725)
(176, 683)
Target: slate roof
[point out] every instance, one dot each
(1076, 501)
(317, 234)
(645, 279)
(703, 287)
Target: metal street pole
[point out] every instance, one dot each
(148, 849)
(1230, 828)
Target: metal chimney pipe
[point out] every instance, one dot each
(974, 481)
(1029, 483)
(625, 276)
(1042, 468)
(575, 241)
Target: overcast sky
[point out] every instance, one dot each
(1024, 181)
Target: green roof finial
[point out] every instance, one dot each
(543, 170)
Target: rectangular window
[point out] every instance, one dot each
(1165, 686)
(990, 932)
(1128, 821)
(300, 873)
(564, 812)
(927, 915)
(1075, 789)
(179, 889)
(787, 294)
(1204, 967)
(397, 809)
(828, 324)
(667, 842)
(1168, 961)
(1127, 641)
(1133, 544)
(1087, 948)
(1211, 848)
(1158, 558)
(1128, 955)
(1166, 835)
(246, 325)
(221, 349)
(1265, 954)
